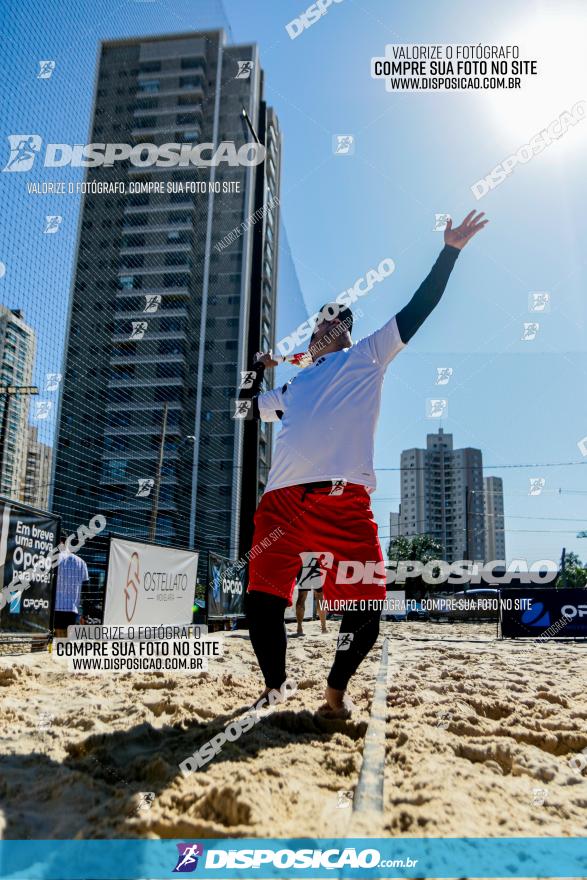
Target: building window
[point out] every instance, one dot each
(190, 82)
(149, 85)
(150, 67)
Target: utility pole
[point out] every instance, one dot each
(563, 567)
(157, 486)
(467, 554)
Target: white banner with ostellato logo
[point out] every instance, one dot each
(148, 584)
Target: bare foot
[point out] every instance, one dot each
(339, 704)
(300, 631)
(279, 695)
(261, 697)
(324, 630)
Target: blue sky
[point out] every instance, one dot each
(415, 155)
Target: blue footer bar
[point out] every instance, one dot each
(299, 857)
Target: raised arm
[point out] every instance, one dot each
(428, 295)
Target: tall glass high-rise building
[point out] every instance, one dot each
(17, 355)
(168, 307)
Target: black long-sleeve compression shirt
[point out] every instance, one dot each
(426, 298)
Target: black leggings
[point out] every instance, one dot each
(269, 639)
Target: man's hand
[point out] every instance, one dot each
(459, 236)
(266, 359)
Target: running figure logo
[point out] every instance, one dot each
(436, 408)
(539, 796)
(187, 860)
(536, 485)
(245, 68)
(43, 409)
(46, 69)
(343, 144)
(52, 224)
(53, 381)
(313, 571)
(345, 800)
(139, 328)
(23, 151)
(343, 641)
(243, 409)
(539, 301)
(440, 221)
(152, 302)
(145, 487)
(443, 375)
(247, 378)
(530, 331)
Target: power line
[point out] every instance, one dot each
(493, 467)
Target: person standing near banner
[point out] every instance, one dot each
(72, 576)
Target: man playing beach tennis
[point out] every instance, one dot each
(317, 495)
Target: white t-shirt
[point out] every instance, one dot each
(330, 411)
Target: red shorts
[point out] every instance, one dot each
(336, 529)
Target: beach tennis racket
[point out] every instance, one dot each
(301, 359)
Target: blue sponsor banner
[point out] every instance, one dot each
(534, 612)
(300, 857)
(226, 587)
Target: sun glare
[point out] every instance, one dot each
(558, 44)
